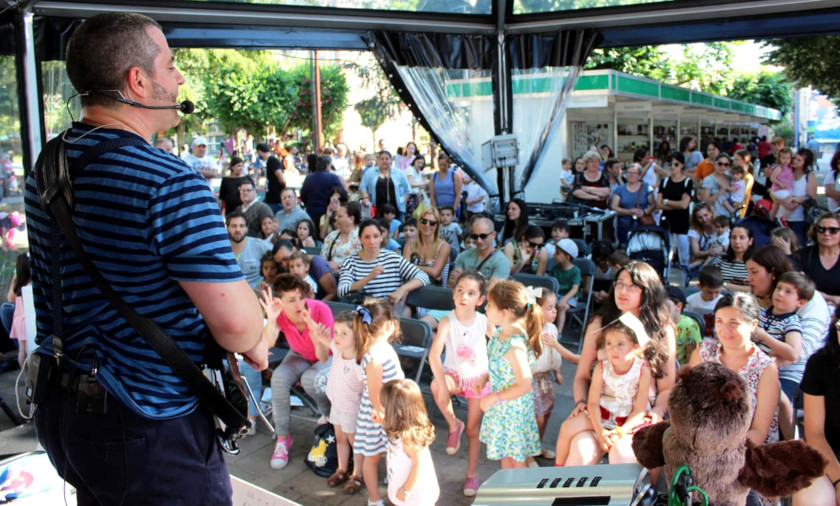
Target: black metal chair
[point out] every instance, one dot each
(587, 281)
(431, 297)
(534, 280)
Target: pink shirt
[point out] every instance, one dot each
(300, 341)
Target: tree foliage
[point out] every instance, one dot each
(648, 61)
(382, 105)
(809, 61)
(248, 89)
(764, 88)
(706, 67)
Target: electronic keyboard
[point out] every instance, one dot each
(602, 485)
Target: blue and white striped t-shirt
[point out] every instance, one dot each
(147, 221)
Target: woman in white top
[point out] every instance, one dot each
(804, 188)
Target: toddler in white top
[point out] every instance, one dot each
(462, 333)
(411, 472)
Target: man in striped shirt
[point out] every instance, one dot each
(152, 227)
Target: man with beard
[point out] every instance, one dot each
(248, 250)
(115, 419)
(252, 209)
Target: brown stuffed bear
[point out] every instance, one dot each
(710, 415)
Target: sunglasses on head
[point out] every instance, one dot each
(481, 236)
(424, 221)
(829, 230)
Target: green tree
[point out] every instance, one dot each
(706, 67)
(766, 88)
(382, 105)
(809, 61)
(334, 92)
(648, 61)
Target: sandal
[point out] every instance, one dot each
(353, 485)
(337, 479)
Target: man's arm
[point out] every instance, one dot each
(232, 314)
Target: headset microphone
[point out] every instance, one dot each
(185, 107)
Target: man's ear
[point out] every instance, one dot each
(139, 84)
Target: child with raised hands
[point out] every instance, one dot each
(374, 327)
(411, 472)
(546, 370)
(462, 335)
(509, 428)
(345, 386)
(618, 394)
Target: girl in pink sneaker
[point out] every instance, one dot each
(462, 334)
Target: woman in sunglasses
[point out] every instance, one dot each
(821, 260)
(525, 253)
(714, 187)
(428, 251)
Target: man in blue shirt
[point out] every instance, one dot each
(152, 227)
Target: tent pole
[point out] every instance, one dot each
(32, 127)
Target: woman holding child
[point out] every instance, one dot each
(638, 290)
(804, 189)
(714, 189)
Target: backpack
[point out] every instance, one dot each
(322, 458)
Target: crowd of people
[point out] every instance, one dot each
(766, 309)
(759, 315)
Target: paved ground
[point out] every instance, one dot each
(296, 481)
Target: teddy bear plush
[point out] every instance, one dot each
(710, 414)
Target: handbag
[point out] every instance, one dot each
(646, 219)
(225, 396)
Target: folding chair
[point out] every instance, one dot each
(416, 342)
(431, 297)
(549, 282)
(582, 246)
(587, 280)
(337, 307)
(312, 251)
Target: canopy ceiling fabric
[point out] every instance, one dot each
(419, 66)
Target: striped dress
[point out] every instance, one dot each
(370, 438)
(398, 270)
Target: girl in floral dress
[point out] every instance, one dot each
(509, 428)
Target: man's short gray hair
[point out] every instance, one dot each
(102, 50)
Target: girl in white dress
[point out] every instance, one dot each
(411, 472)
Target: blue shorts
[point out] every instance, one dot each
(123, 458)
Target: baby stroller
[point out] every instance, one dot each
(651, 244)
(761, 228)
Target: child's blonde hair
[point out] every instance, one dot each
(405, 413)
(373, 318)
(513, 296)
